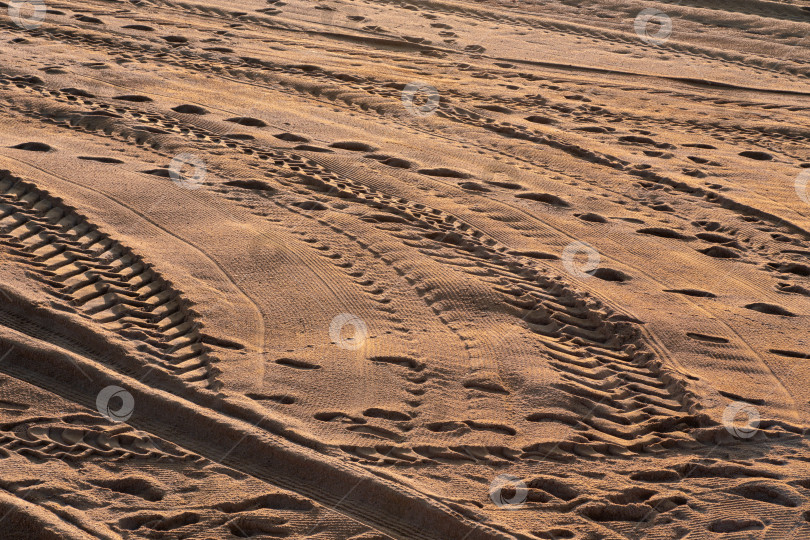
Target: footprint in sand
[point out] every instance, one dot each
(88, 19)
(297, 364)
(179, 40)
(353, 146)
(247, 121)
(756, 155)
(34, 147)
(444, 173)
(134, 98)
(547, 198)
(77, 92)
(291, 137)
(391, 161)
(770, 309)
(109, 160)
(139, 27)
(190, 109)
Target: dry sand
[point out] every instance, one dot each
(405, 269)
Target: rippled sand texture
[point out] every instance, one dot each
(405, 269)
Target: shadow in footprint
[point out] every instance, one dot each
(770, 309)
(610, 274)
(759, 156)
(547, 198)
(77, 92)
(353, 146)
(291, 137)
(189, 109)
(141, 27)
(247, 121)
(134, 99)
(101, 159)
(34, 147)
(442, 172)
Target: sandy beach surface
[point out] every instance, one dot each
(404, 269)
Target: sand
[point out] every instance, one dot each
(404, 269)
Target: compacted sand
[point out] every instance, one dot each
(406, 269)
